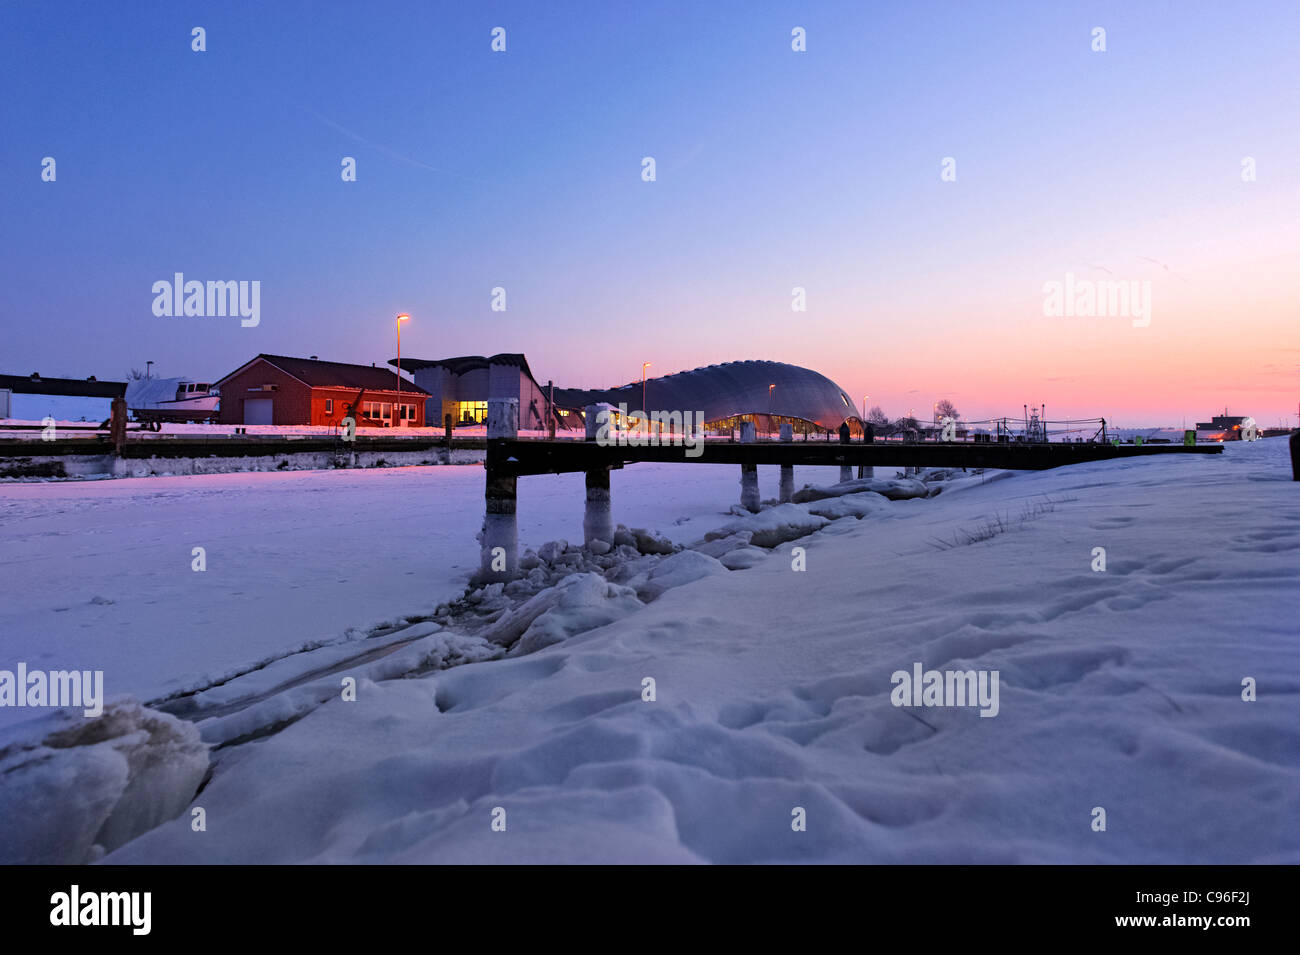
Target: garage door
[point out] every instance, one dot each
(257, 410)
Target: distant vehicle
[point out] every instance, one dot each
(155, 400)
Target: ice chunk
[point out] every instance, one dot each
(551, 551)
(776, 525)
(649, 542)
(896, 489)
(850, 505)
(583, 602)
(681, 568)
(721, 545)
(76, 787)
(742, 558)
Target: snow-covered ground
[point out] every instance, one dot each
(1120, 689)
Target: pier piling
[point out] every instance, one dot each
(787, 470)
(499, 550)
(598, 519)
(749, 498)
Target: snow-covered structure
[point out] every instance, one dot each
(31, 398)
(171, 399)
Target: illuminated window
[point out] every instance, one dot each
(472, 412)
(329, 405)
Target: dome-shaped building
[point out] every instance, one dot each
(766, 392)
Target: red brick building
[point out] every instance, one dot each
(275, 389)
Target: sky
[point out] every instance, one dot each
(775, 170)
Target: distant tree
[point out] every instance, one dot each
(946, 409)
(877, 417)
(907, 422)
(135, 375)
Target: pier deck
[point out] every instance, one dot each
(517, 457)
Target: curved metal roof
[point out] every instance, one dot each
(731, 388)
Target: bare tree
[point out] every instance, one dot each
(877, 417)
(135, 375)
(946, 409)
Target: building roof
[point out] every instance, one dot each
(466, 363)
(34, 384)
(729, 389)
(458, 366)
(333, 374)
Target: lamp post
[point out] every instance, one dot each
(864, 406)
(148, 366)
(400, 318)
(644, 409)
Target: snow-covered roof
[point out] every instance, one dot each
(151, 391)
(334, 374)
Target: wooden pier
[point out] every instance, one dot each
(518, 457)
(510, 457)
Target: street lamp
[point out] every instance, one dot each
(864, 406)
(400, 318)
(644, 409)
(148, 366)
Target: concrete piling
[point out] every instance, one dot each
(749, 498)
(499, 547)
(787, 470)
(499, 550)
(598, 518)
